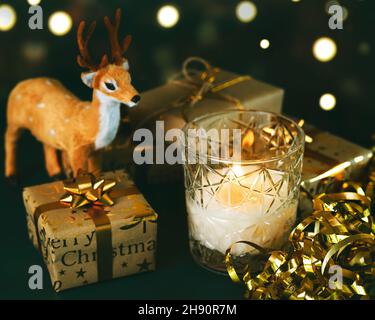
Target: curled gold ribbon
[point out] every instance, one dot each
(86, 190)
(339, 233)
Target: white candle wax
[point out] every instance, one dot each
(251, 204)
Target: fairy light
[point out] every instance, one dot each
(60, 23)
(246, 11)
(34, 2)
(364, 48)
(345, 11)
(327, 101)
(330, 4)
(168, 16)
(324, 49)
(34, 51)
(8, 17)
(264, 44)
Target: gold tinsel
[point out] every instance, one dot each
(336, 241)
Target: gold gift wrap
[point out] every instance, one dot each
(329, 159)
(74, 243)
(190, 94)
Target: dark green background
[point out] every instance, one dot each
(209, 29)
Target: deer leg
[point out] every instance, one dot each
(66, 164)
(52, 161)
(11, 136)
(78, 158)
(95, 162)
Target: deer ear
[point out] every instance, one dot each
(88, 78)
(125, 65)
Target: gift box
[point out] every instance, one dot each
(188, 95)
(329, 160)
(91, 229)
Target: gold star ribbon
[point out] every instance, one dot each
(340, 233)
(86, 189)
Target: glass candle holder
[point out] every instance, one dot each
(242, 185)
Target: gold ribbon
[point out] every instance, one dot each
(340, 232)
(201, 83)
(327, 180)
(204, 83)
(86, 190)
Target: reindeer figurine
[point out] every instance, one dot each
(63, 122)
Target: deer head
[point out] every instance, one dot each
(109, 78)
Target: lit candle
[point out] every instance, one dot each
(251, 195)
(250, 204)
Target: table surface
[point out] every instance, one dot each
(177, 276)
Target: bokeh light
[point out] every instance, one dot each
(60, 23)
(264, 44)
(34, 51)
(364, 48)
(330, 3)
(207, 33)
(8, 17)
(351, 87)
(34, 2)
(168, 16)
(327, 101)
(246, 11)
(345, 11)
(324, 49)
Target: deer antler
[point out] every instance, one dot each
(117, 50)
(84, 58)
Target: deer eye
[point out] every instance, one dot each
(110, 86)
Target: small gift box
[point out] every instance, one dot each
(91, 229)
(329, 159)
(190, 94)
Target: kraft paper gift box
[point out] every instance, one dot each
(329, 159)
(91, 243)
(191, 94)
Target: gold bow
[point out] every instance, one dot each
(87, 189)
(203, 83)
(200, 83)
(339, 233)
